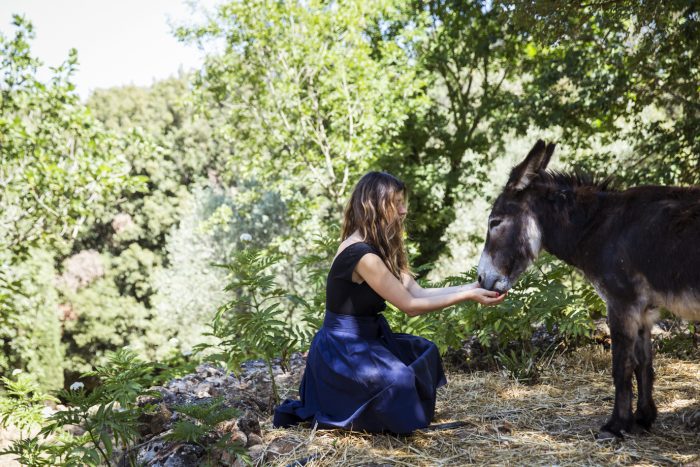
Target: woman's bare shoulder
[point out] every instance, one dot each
(345, 244)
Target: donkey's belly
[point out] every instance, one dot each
(685, 305)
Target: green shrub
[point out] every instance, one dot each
(31, 339)
(58, 168)
(98, 320)
(251, 324)
(108, 414)
(198, 423)
(550, 294)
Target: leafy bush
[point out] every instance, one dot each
(200, 420)
(214, 223)
(551, 294)
(31, 337)
(22, 405)
(315, 266)
(97, 321)
(251, 325)
(108, 414)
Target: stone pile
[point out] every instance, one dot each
(250, 392)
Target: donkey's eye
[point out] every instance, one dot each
(494, 223)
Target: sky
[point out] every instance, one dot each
(119, 42)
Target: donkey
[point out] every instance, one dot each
(640, 248)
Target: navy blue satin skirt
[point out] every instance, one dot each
(361, 376)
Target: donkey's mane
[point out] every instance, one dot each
(576, 179)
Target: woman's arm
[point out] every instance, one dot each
(373, 270)
(418, 291)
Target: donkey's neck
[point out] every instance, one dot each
(565, 223)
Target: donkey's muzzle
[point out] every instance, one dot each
(488, 281)
(489, 277)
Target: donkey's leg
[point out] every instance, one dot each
(646, 409)
(624, 325)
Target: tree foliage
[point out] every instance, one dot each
(251, 324)
(472, 65)
(310, 103)
(58, 166)
(58, 163)
(618, 71)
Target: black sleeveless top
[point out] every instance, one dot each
(345, 297)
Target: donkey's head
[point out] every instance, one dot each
(513, 239)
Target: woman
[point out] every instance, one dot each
(359, 375)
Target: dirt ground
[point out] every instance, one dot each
(503, 422)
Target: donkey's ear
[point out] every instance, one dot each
(522, 174)
(549, 150)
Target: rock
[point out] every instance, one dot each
(256, 452)
(143, 401)
(209, 370)
(254, 440)
(657, 332)
(214, 381)
(249, 392)
(160, 453)
(238, 438)
(75, 430)
(146, 453)
(202, 391)
(601, 333)
(178, 386)
(227, 426)
(278, 447)
(236, 435)
(156, 422)
(249, 423)
(224, 457)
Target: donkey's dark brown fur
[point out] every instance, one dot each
(639, 247)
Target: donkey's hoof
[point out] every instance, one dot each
(604, 436)
(613, 428)
(645, 417)
(641, 425)
(639, 429)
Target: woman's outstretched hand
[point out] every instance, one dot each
(486, 297)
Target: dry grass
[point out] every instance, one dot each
(507, 423)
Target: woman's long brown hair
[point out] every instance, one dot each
(372, 210)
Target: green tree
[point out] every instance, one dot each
(58, 167)
(31, 335)
(621, 71)
(251, 324)
(311, 103)
(471, 64)
(174, 151)
(98, 320)
(169, 145)
(58, 163)
(214, 225)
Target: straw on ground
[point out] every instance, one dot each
(507, 423)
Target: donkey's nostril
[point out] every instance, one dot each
(478, 279)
